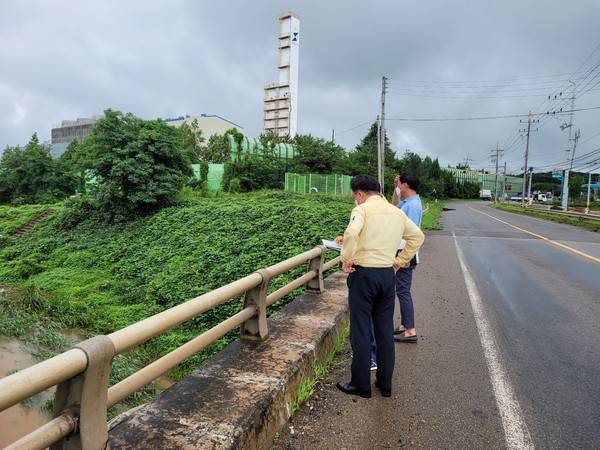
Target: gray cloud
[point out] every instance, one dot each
(66, 59)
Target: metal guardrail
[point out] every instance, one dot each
(546, 209)
(81, 374)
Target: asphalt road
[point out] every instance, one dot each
(508, 353)
(541, 295)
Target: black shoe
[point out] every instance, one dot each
(384, 392)
(405, 338)
(347, 388)
(397, 332)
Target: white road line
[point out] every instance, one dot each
(515, 430)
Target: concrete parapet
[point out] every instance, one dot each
(240, 398)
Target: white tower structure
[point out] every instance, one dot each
(281, 99)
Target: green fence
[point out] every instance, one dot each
(314, 183)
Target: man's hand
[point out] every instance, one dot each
(348, 267)
(339, 240)
(405, 266)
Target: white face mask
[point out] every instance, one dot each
(398, 191)
(356, 202)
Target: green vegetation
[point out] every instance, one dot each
(432, 210)
(78, 272)
(319, 370)
(12, 218)
(149, 237)
(75, 271)
(30, 175)
(132, 167)
(592, 225)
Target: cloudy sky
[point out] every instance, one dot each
(462, 75)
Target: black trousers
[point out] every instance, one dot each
(371, 296)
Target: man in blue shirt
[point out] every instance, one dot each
(406, 186)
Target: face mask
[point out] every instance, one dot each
(356, 202)
(398, 191)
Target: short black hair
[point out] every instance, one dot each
(365, 183)
(411, 179)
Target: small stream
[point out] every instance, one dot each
(17, 421)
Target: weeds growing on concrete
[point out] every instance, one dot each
(319, 370)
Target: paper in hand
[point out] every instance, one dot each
(331, 245)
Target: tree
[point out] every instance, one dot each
(575, 182)
(31, 175)
(260, 168)
(140, 164)
(315, 155)
(251, 173)
(364, 159)
(218, 150)
(190, 141)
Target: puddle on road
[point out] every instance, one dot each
(17, 421)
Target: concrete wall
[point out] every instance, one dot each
(241, 398)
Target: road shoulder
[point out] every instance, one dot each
(442, 395)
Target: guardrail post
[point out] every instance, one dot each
(255, 329)
(85, 396)
(316, 264)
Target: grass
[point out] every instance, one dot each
(430, 219)
(11, 218)
(319, 370)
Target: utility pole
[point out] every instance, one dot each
(379, 162)
(496, 158)
(381, 136)
(526, 156)
(529, 190)
(467, 162)
(570, 168)
(565, 190)
(529, 117)
(504, 184)
(587, 206)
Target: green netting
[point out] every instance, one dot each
(196, 170)
(215, 176)
(315, 183)
(253, 146)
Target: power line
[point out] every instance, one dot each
(511, 116)
(495, 81)
(358, 126)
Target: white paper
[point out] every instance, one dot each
(331, 245)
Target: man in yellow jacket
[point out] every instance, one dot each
(369, 247)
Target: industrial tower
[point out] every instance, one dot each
(281, 99)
